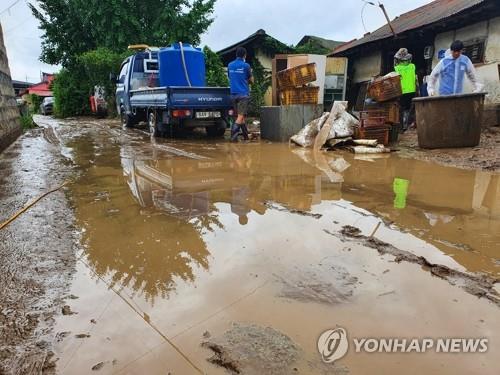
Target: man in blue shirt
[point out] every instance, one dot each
(451, 71)
(240, 76)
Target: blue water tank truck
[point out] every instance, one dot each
(166, 88)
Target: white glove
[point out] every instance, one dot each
(431, 92)
(479, 88)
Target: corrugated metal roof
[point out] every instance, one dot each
(425, 15)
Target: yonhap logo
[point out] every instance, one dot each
(333, 344)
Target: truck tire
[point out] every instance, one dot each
(102, 113)
(127, 120)
(216, 131)
(153, 124)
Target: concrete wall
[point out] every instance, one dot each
(10, 127)
(367, 67)
(279, 123)
(493, 43)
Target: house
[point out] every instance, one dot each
(261, 48)
(42, 88)
(20, 87)
(427, 32)
(316, 44)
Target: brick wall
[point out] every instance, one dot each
(10, 126)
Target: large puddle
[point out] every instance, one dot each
(180, 239)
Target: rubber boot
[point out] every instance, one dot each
(235, 131)
(244, 131)
(406, 119)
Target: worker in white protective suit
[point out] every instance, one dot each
(451, 71)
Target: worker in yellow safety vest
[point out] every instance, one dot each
(407, 71)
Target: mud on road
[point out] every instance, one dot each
(484, 157)
(37, 256)
(199, 256)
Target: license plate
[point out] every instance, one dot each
(207, 114)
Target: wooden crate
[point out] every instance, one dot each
(298, 76)
(391, 111)
(300, 95)
(385, 88)
(380, 133)
(372, 122)
(372, 118)
(371, 113)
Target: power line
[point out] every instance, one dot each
(10, 6)
(362, 18)
(366, 2)
(384, 11)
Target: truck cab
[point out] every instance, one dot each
(169, 110)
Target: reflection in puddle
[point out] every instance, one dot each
(145, 218)
(194, 235)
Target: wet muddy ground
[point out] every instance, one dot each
(199, 256)
(37, 257)
(485, 157)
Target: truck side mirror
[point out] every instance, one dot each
(112, 77)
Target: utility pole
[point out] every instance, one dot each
(381, 6)
(387, 17)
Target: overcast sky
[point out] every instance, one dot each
(286, 20)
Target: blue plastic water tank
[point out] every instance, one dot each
(171, 68)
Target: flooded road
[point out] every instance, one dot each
(244, 248)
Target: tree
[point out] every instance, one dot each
(313, 48)
(262, 82)
(71, 92)
(97, 66)
(89, 37)
(74, 84)
(72, 27)
(215, 72)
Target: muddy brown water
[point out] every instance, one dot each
(181, 239)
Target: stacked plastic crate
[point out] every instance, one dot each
(295, 85)
(386, 92)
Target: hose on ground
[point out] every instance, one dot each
(29, 205)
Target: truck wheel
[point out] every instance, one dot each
(127, 120)
(218, 130)
(153, 124)
(102, 113)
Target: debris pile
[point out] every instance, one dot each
(340, 129)
(383, 95)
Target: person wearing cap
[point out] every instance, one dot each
(451, 71)
(407, 71)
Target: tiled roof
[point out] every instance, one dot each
(436, 11)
